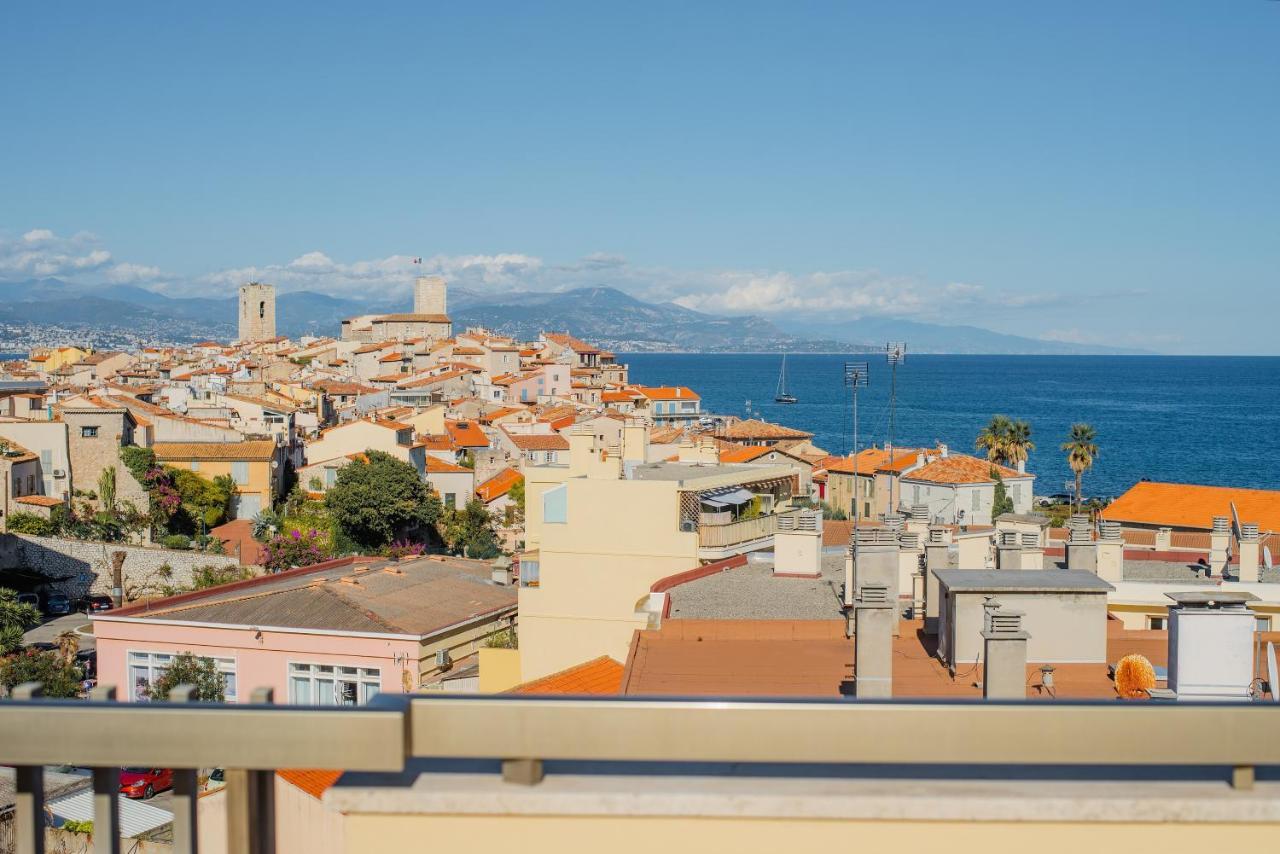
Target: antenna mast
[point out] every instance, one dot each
(896, 353)
(856, 376)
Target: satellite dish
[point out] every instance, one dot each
(1266, 557)
(1273, 677)
(1235, 521)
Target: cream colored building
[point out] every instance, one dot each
(604, 527)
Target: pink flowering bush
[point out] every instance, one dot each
(404, 548)
(285, 551)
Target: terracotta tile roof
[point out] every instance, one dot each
(667, 393)
(498, 485)
(314, 782)
(961, 468)
(393, 357)
(539, 441)
(436, 443)
(755, 429)
(372, 348)
(258, 450)
(601, 675)
(1186, 505)
(466, 434)
(568, 341)
(435, 465)
(743, 454)
(618, 396)
(39, 500)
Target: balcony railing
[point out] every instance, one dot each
(718, 536)
(519, 733)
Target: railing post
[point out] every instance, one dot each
(106, 792)
(251, 813)
(29, 800)
(186, 792)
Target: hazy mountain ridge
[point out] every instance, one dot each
(601, 314)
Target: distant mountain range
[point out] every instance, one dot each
(602, 315)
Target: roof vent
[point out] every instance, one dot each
(1031, 540)
(893, 522)
(1009, 538)
(935, 536)
(1221, 525)
(873, 594)
(1109, 530)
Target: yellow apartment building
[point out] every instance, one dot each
(256, 466)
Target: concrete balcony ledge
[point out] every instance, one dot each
(1125, 802)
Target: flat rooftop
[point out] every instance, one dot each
(416, 597)
(692, 472)
(752, 592)
(1022, 580)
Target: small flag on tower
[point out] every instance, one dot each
(417, 260)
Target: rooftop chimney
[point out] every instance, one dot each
(797, 544)
(936, 556)
(1008, 550)
(876, 557)
(581, 444)
(1219, 543)
(635, 441)
(1211, 644)
(873, 642)
(1082, 553)
(1110, 551)
(1004, 654)
(1250, 543)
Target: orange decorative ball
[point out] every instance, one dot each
(1134, 676)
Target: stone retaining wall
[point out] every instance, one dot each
(80, 567)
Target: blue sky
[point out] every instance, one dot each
(1102, 172)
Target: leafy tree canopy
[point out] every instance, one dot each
(61, 678)
(378, 497)
(189, 669)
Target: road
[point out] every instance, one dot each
(46, 634)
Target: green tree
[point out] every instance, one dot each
(994, 439)
(378, 497)
(61, 678)
(30, 523)
(469, 531)
(15, 618)
(1001, 503)
(107, 488)
(1018, 444)
(189, 669)
(1082, 449)
(204, 503)
(212, 576)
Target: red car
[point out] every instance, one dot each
(144, 782)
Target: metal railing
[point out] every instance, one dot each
(734, 533)
(521, 732)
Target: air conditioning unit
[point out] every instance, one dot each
(688, 526)
(59, 473)
(443, 660)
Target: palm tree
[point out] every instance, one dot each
(994, 439)
(68, 646)
(1018, 442)
(1081, 452)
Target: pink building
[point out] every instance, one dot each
(331, 634)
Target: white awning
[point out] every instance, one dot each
(733, 496)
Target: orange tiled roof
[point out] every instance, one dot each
(435, 465)
(1188, 505)
(253, 450)
(39, 500)
(754, 429)
(961, 468)
(314, 782)
(466, 434)
(600, 675)
(668, 393)
(498, 485)
(744, 454)
(539, 441)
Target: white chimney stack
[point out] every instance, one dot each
(1211, 644)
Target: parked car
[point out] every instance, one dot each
(94, 604)
(29, 599)
(57, 604)
(144, 782)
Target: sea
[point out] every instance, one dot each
(1186, 419)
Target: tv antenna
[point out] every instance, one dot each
(856, 376)
(896, 353)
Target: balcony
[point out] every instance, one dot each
(719, 538)
(706, 774)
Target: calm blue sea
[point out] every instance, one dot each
(1191, 419)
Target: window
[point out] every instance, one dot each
(88, 432)
(195, 465)
(240, 473)
(146, 667)
(1157, 622)
(555, 509)
(31, 484)
(451, 500)
(977, 500)
(330, 477)
(17, 485)
(332, 685)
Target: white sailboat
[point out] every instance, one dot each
(782, 395)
